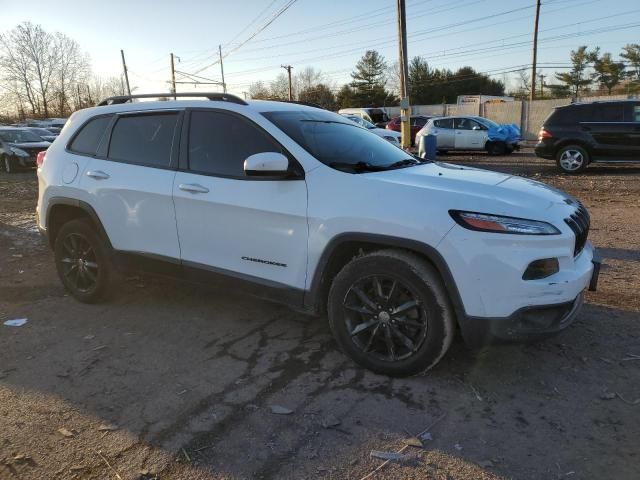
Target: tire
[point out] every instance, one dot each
(428, 325)
(495, 148)
(83, 261)
(572, 159)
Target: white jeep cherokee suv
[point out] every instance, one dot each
(299, 205)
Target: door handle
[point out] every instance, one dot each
(98, 174)
(193, 188)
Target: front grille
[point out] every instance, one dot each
(579, 222)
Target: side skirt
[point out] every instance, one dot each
(211, 276)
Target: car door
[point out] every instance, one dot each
(632, 134)
(443, 130)
(130, 186)
(469, 134)
(247, 227)
(604, 123)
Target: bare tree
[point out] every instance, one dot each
(72, 70)
(259, 91)
(30, 58)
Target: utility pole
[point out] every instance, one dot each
(288, 69)
(224, 85)
(245, 95)
(541, 85)
(405, 110)
(126, 75)
(535, 52)
(173, 77)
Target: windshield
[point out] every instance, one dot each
(378, 115)
(338, 143)
(19, 136)
(361, 121)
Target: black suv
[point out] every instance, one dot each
(582, 133)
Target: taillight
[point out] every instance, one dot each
(40, 158)
(542, 134)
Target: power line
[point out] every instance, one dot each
(273, 19)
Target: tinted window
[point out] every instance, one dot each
(219, 143)
(564, 116)
(604, 112)
(443, 123)
(144, 139)
(339, 143)
(635, 114)
(88, 139)
(420, 121)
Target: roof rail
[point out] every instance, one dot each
(215, 96)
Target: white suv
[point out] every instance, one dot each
(299, 205)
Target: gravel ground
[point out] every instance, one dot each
(172, 381)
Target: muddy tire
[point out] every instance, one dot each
(83, 261)
(389, 311)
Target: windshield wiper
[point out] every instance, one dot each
(357, 167)
(404, 163)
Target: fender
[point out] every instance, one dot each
(313, 298)
(84, 206)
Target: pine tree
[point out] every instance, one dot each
(369, 81)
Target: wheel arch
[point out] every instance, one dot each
(62, 210)
(342, 248)
(572, 141)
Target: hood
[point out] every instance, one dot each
(474, 189)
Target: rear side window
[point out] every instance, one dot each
(565, 116)
(88, 139)
(219, 143)
(604, 112)
(144, 139)
(443, 123)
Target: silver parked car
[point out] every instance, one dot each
(465, 133)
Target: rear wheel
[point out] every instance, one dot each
(572, 159)
(83, 261)
(495, 148)
(389, 312)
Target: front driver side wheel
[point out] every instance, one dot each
(389, 311)
(572, 159)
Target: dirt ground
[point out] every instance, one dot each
(172, 381)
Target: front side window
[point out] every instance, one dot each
(220, 142)
(88, 139)
(338, 143)
(144, 139)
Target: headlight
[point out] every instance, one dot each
(485, 222)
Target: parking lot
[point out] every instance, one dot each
(172, 381)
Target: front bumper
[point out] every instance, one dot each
(526, 324)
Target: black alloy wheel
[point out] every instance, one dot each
(385, 318)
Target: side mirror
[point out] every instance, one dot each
(266, 164)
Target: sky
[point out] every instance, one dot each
(492, 36)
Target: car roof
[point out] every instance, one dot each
(599, 102)
(256, 105)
